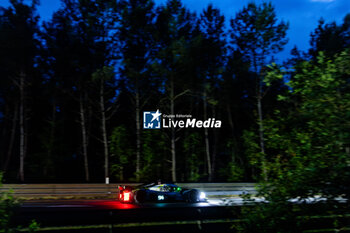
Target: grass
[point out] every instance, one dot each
(131, 225)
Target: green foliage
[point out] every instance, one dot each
(7, 203)
(330, 38)
(275, 73)
(121, 151)
(253, 153)
(252, 147)
(257, 34)
(273, 217)
(234, 169)
(153, 148)
(191, 146)
(33, 226)
(233, 172)
(308, 145)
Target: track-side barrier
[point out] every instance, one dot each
(109, 190)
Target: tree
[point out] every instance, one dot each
(257, 35)
(153, 151)
(307, 146)
(120, 151)
(310, 141)
(330, 38)
(175, 26)
(19, 46)
(212, 27)
(136, 31)
(105, 79)
(78, 45)
(191, 145)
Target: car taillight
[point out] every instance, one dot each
(126, 196)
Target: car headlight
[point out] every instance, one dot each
(202, 195)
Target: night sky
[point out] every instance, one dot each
(302, 15)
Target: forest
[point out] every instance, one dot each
(73, 91)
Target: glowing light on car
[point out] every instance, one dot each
(160, 197)
(202, 195)
(126, 196)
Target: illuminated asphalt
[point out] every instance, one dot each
(227, 198)
(111, 204)
(102, 204)
(114, 204)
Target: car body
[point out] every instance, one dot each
(159, 193)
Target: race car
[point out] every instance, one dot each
(159, 193)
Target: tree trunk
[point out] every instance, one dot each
(103, 128)
(48, 163)
(234, 136)
(262, 140)
(12, 139)
(84, 138)
(206, 135)
(22, 117)
(215, 146)
(138, 134)
(260, 118)
(261, 126)
(230, 121)
(172, 112)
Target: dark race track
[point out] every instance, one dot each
(97, 212)
(105, 204)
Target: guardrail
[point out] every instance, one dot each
(220, 186)
(105, 190)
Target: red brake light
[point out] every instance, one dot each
(126, 196)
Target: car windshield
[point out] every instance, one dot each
(165, 188)
(174, 188)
